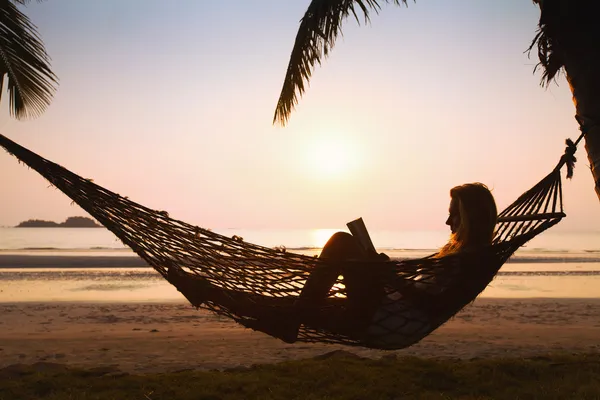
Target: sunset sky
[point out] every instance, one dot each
(171, 103)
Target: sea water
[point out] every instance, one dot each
(553, 265)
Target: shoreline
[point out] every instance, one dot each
(99, 258)
(12, 261)
(154, 337)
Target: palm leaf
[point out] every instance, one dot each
(316, 36)
(566, 27)
(23, 59)
(546, 40)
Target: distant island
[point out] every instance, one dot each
(71, 222)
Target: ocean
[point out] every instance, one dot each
(92, 265)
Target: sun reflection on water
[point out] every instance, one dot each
(320, 236)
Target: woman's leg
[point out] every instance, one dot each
(340, 247)
(363, 281)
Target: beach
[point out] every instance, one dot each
(93, 305)
(151, 337)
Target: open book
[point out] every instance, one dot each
(359, 231)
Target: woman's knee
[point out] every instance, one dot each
(341, 237)
(341, 245)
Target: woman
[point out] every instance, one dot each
(472, 219)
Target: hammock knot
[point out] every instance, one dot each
(281, 249)
(569, 157)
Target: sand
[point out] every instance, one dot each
(8, 261)
(170, 337)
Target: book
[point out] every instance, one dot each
(359, 231)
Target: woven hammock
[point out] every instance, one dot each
(258, 286)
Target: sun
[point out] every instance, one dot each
(333, 156)
(321, 236)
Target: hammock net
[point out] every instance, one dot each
(258, 286)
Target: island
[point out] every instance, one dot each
(71, 222)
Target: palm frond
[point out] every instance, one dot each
(319, 28)
(546, 40)
(565, 27)
(23, 59)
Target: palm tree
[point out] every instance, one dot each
(23, 59)
(568, 40)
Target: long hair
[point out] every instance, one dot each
(478, 215)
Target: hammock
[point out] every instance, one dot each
(258, 286)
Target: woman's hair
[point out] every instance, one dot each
(478, 215)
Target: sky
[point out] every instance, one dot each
(171, 104)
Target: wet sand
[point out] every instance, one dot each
(9, 261)
(169, 337)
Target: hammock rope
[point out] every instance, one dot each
(258, 286)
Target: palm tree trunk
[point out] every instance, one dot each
(584, 79)
(569, 38)
(583, 75)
